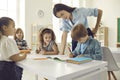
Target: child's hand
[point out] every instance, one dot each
(71, 55)
(43, 51)
(37, 51)
(19, 47)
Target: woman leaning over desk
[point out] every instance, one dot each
(73, 16)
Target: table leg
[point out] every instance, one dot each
(36, 77)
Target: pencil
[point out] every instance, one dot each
(69, 49)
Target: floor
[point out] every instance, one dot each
(117, 73)
(30, 76)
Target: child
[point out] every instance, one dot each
(19, 35)
(47, 42)
(9, 52)
(86, 46)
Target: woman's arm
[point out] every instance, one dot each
(63, 42)
(98, 21)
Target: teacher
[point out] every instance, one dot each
(72, 16)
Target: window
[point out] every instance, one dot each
(57, 22)
(3, 7)
(13, 9)
(8, 9)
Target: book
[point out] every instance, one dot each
(40, 58)
(25, 51)
(56, 58)
(79, 60)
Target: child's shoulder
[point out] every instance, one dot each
(7, 40)
(24, 40)
(4, 38)
(94, 40)
(53, 43)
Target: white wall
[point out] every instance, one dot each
(31, 17)
(111, 12)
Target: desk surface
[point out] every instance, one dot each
(56, 70)
(116, 53)
(115, 50)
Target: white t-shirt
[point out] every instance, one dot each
(8, 47)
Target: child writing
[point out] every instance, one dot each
(86, 46)
(9, 52)
(19, 35)
(47, 42)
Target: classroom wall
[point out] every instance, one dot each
(31, 17)
(110, 14)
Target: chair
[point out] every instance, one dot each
(112, 65)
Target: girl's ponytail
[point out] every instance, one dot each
(0, 34)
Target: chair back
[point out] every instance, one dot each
(107, 56)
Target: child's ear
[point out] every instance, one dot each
(5, 28)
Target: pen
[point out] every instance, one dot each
(70, 55)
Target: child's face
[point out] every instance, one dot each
(83, 39)
(47, 37)
(10, 29)
(63, 14)
(19, 35)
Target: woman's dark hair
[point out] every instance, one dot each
(58, 7)
(44, 31)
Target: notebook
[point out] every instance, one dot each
(79, 60)
(56, 58)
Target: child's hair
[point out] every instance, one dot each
(78, 31)
(4, 21)
(44, 31)
(58, 7)
(17, 31)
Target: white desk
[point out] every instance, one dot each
(115, 50)
(116, 53)
(56, 70)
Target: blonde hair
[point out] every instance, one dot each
(17, 31)
(78, 31)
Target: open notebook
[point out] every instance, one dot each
(76, 60)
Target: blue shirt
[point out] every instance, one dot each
(79, 17)
(91, 48)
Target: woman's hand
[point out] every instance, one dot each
(94, 31)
